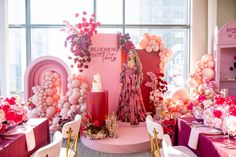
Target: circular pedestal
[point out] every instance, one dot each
(132, 139)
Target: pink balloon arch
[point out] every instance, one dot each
(37, 69)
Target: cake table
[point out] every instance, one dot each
(97, 103)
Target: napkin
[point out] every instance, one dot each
(30, 138)
(194, 135)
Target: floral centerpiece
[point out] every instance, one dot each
(93, 129)
(169, 126)
(12, 112)
(158, 87)
(79, 40)
(207, 92)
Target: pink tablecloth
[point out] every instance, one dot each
(15, 145)
(208, 145)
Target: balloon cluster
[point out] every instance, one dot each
(74, 100)
(177, 104)
(202, 72)
(154, 43)
(46, 96)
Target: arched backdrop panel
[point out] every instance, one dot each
(150, 62)
(38, 67)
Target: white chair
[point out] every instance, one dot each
(52, 149)
(70, 131)
(167, 149)
(155, 133)
(175, 151)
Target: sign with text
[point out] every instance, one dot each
(106, 60)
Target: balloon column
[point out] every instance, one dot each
(202, 72)
(154, 43)
(46, 96)
(73, 102)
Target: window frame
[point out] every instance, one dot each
(28, 26)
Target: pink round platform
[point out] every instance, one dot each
(132, 139)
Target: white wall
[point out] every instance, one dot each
(4, 72)
(226, 11)
(198, 31)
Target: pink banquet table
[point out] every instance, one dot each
(15, 145)
(98, 105)
(208, 145)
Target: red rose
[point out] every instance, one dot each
(219, 100)
(11, 101)
(96, 123)
(217, 113)
(232, 110)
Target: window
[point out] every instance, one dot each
(34, 26)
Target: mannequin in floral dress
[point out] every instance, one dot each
(131, 107)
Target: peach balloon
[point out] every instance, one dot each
(148, 49)
(208, 57)
(143, 43)
(56, 97)
(210, 64)
(83, 108)
(180, 94)
(208, 74)
(49, 91)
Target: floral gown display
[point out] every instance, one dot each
(131, 107)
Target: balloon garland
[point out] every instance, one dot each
(46, 96)
(154, 43)
(73, 102)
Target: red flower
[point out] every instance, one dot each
(217, 113)
(219, 100)
(190, 106)
(87, 116)
(11, 115)
(232, 110)
(96, 123)
(77, 14)
(3, 128)
(166, 122)
(11, 101)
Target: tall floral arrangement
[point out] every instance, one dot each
(158, 87)
(12, 112)
(79, 39)
(124, 42)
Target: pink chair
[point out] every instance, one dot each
(52, 149)
(70, 131)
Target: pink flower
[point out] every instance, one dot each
(201, 98)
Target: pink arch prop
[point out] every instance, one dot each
(39, 67)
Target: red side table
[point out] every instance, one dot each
(98, 105)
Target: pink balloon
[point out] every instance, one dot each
(73, 100)
(156, 48)
(51, 110)
(75, 84)
(49, 101)
(143, 43)
(49, 91)
(208, 74)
